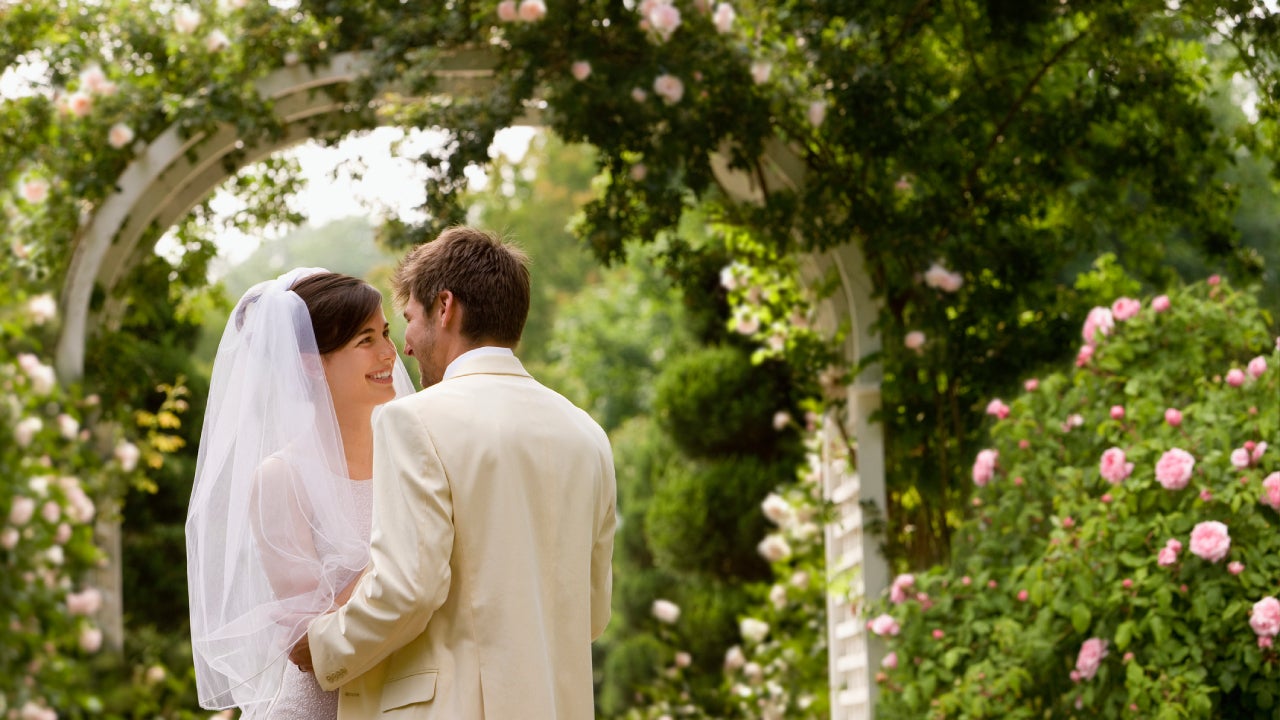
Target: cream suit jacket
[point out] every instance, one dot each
(492, 543)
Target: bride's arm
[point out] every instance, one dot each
(282, 533)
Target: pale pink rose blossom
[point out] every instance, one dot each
(1098, 321)
(127, 454)
(753, 630)
(507, 11)
(1214, 279)
(68, 426)
(1090, 658)
(745, 322)
(938, 634)
(155, 674)
(781, 419)
(1125, 308)
(1074, 420)
(22, 510)
(890, 661)
(778, 510)
(217, 41)
(581, 70)
(1235, 377)
(683, 659)
(1256, 453)
(914, 340)
(1206, 495)
(1264, 642)
(1169, 554)
(532, 10)
(1084, 355)
(984, 467)
(35, 191)
(669, 88)
(1117, 412)
(9, 538)
(817, 113)
(42, 379)
(774, 548)
(85, 602)
(1113, 467)
(1173, 416)
(1031, 385)
(1257, 367)
(723, 18)
(898, 590)
(639, 95)
(1210, 540)
(998, 408)
(938, 276)
(1271, 490)
(734, 658)
(51, 512)
(1264, 618)
(638, 172)
(186, 19)
(1022, 596)
(25, 431)
(80, 103)
(1240, 458)
(92, 79)
(664, 18)
(883, 625)
(778, 596)
(1160, 303)
(1174, 469)
(760, 72)
(41, 309)
(666, 611)
(62, 534)
(1235, 567)
(90, 640)
(291, 58)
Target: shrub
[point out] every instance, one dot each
(1124, 530)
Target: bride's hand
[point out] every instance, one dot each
(300, 655)
(345, 594)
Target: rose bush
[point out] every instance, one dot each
(1070, 591)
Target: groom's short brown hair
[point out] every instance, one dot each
(488, 276)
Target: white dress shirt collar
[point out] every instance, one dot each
(475, 352)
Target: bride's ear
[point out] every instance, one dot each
(313, 365)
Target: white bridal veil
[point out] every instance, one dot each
(272, 536)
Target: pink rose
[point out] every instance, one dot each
(984, 467)
(669, 87)
(898, 590)
(1167, 556)
(80, 104)
(531, 10)
(87, 602)
(1125, 308)
(90, 640)
(1265, 617)
(1271, 487)
(938, 276)
(581, 70)
(890, 661)
(1235, 567)
(1174, 469)
(1173, 416)
(883, 625)
(1235, 378)
(1113, 467)
(1210, 540)
(22, 510)
(998, 408)
(35, 191)
(507, 11)
(1083, 357)
(723, 18)
(914, 340)
(1031, 385)
(1117, 412)
(1099, 320)
(1160, 303)
(1256, 451)
(1022, 596)
(1090, 657)
(1214, 279)
(1240, 458)
(1257, 366)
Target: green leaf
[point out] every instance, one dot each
(1080, 617)
(1124, 634)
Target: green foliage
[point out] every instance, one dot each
(715, 401)
(1064, 544)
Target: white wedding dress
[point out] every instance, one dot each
(301, 697)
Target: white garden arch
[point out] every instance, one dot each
(173, 173)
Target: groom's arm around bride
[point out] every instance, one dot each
(493, 516)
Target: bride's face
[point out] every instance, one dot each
(359, 373)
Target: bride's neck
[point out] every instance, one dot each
(356, 426)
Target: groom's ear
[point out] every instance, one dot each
(449, 308)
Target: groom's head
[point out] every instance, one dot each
(465, 289)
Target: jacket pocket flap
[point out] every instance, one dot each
(417, 687)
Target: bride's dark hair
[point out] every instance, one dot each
(338, 305)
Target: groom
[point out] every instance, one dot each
(493, 511)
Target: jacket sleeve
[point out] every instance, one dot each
(408, 575)
(602, 551)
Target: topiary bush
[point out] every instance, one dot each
(715, 401)
(1122, 557)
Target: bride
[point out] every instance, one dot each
(279, 522)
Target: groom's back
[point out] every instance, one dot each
(532, 486)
